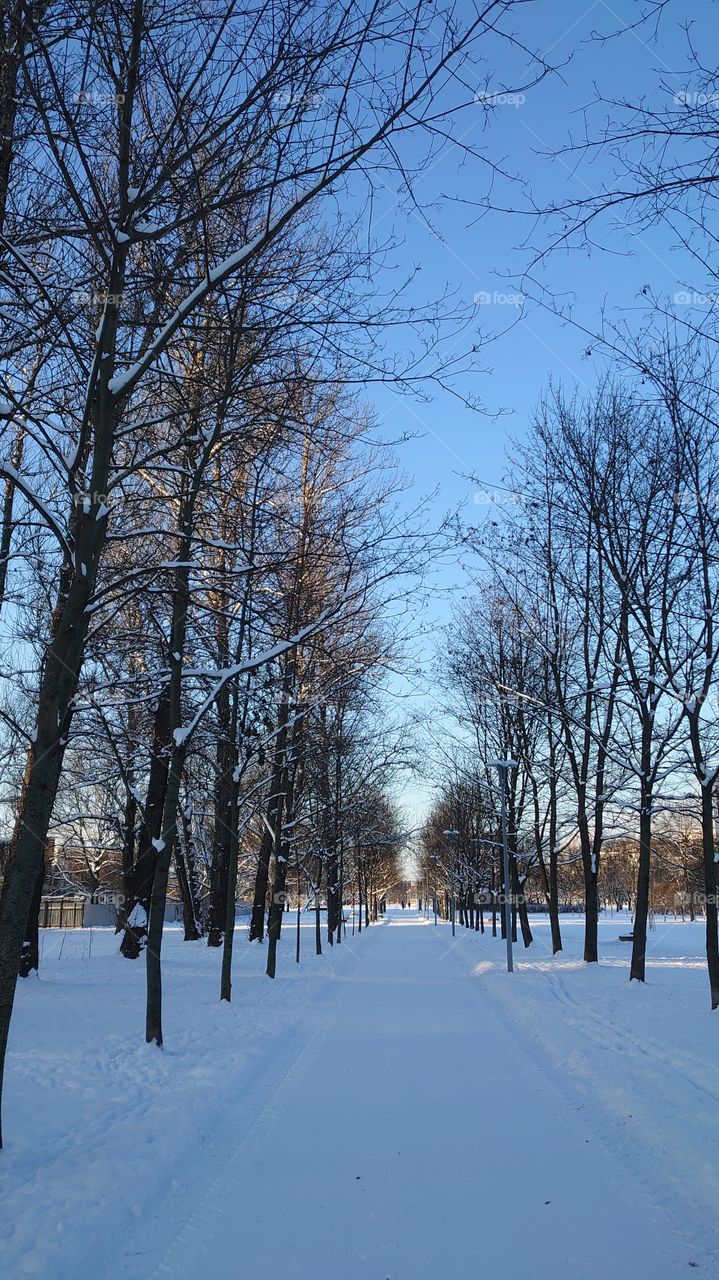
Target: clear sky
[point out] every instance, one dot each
(483, 254)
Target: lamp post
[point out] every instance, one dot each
(502, 766)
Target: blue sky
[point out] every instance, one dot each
(471, 255)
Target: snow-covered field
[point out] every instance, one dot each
(398, 1109)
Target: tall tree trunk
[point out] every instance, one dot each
(225, 760)
(185, 871)
(279, 885)
(341, 892)
(63, 659)
(262, 874)
(641, 910)
(591, 896)
(318, 917)
(591, 917)
(262, 877)
(239, 727)
(30, 954)
(521, 901)
(553, 869)
(710, 890)
(171, 808)
(230, 895)
(71, 620)
(158, 899)
(14, 38)
(128, 848)
(6, 531)
(138, 891)
(331, 863)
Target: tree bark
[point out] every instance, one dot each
(186, 879)
(8, 507)
(138, 890)
(64, 655)
(262, 874)
(158, 899)
(30, 954)
(230, 895)
(710, 890)
(225, 759)
(641, 910)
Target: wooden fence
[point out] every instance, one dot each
(62, 913)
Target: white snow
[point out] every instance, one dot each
(399, 1107)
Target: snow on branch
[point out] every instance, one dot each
(183, 734)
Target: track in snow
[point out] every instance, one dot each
(412, 1137)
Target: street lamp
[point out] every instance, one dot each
(502, 766)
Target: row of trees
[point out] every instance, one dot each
(589, 655)
(200, 557)
(460, 865)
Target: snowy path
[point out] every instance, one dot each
(411, 1136)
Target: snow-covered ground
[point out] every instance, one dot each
(398, 1109)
